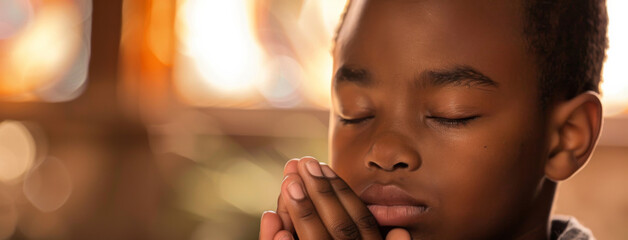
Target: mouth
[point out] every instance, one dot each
(393, 206)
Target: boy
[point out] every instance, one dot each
(451, 120)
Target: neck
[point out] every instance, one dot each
(536, 224)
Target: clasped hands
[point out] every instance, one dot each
(315, 203)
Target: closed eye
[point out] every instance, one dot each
(347, 121)
(453, 122)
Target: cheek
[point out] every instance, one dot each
(338, 143)
(345, 154)
(491, 177)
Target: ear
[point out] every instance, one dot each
(574, 129)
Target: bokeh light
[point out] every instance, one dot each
(313, 37)
(255, 54)
(615, 82)
(283, 83)
(45, 52)
(218, 36)
(14, 15)
(48, 186)
(17, 150)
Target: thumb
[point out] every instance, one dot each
(398, 234)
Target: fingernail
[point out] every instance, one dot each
(289, 161)
(286, 237)
(327, 171)
(295, 191)
(264, 213)
(290, 166)
(314, 168)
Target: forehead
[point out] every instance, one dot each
(403, 37)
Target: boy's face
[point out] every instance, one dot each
(443, 115)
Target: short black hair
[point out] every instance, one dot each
(568, 39)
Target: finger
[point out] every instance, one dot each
(284, 215)
(283, 235)
(290, 167)
(333, 214)
(307, 223)
(398, 234)
(359, 213)
(270, 225)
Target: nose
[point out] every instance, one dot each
(392, 152)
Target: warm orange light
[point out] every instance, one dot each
(220, 61)
(218, 39)
(160, 30)
(320, 64)
(17, 150)
(48, 186)
(41, 53)
(615, 85)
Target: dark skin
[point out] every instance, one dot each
(439, 99)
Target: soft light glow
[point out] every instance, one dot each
(218, 37)
(331, 11)
(14, 15)
(615, 85)
(316, 28)
(73, 81)
(72, 84)
(17, 150)
(284, 79)
(48, 186)
(220, 61)
(42, 52)
(160, 30)
(319, 78)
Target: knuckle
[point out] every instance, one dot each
(347, 230)
(282, 211)
(325, 189)
(291, 175)
(367, 222)
(342, 187)
(307, 213)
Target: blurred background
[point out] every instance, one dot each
(172, 119)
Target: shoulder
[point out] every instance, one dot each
(568, 228)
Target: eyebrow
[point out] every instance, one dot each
(358, 76)
(459, 75)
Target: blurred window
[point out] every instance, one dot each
(615, 82)
(255, 54)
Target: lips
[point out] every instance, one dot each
(392, 206)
